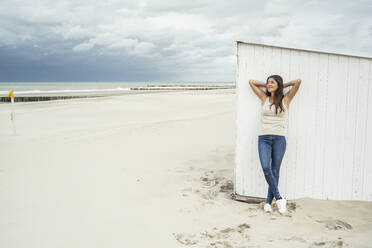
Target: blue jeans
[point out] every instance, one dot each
(271, 147)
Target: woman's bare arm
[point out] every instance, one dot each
(291, 83)
(292, 92)
(255, 84)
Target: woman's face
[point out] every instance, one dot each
(271, 85)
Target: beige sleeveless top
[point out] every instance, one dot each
(272, 123)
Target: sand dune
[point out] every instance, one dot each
(147, 170)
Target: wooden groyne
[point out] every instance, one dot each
(40, 98)
(133, 90)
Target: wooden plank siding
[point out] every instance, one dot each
(329, 140)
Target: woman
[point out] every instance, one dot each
(272, 133)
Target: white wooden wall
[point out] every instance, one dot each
(329, 142)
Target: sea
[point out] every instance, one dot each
(77, 88)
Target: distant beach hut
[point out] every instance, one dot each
(329, 141)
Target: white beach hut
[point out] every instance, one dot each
(329, 141)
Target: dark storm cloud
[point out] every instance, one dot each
(165, 40)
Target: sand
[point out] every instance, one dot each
(146, 170)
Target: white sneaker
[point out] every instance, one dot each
(267, 207)
(282, 205)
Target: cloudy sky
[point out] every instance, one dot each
(164, 40)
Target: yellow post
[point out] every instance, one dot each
(11, 95)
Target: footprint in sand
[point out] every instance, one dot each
(333, 244)
(186, 240)
(296, 238)
(224, 238)
(332, 224)
(212, 184)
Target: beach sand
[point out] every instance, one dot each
(146, 170)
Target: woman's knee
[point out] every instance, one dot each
(266, 170)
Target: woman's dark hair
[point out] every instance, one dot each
(278, 94)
